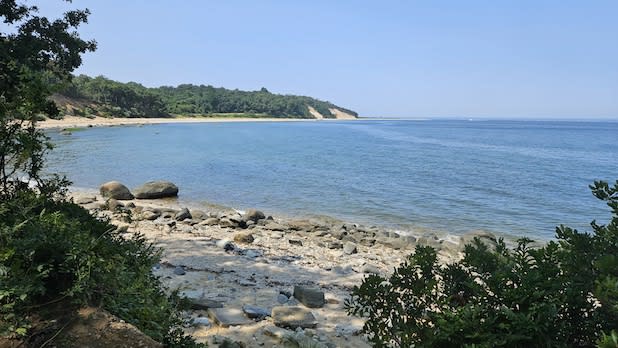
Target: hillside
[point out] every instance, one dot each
(100, 96)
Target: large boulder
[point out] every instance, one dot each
(115, 190)
(156, 189)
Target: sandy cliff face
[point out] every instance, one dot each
(339, 115)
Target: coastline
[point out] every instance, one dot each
(212, 261)
(84, 122)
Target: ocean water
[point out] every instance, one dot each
(515, 178)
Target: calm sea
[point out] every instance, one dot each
(518, 178)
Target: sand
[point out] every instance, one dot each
(82, 122)
(284, 253)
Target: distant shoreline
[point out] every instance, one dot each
(83, 122)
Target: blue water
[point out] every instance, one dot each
(509, 177)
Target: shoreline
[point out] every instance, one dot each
(84, 122)
(215, 260)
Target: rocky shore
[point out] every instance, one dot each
(255, 279)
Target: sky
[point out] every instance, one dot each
(538, 59)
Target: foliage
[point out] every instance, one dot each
(608, 341)
(52, 251)
(564, 294)
(34, 52)
(116, 99)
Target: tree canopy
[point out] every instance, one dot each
(33, 52)
(100, 95)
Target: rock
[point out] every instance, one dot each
(347, 330)
(349, 248)
(253, 253)
(293, 317)
(281, 298)
(204, 304)
(179, 270)
(112, 204)
(225, 222)
(156, 189)
(210, 221)
(115, 190)
(150, 215)
(295, 242)
(255, 312)
(182, 214)
(226, 245)
(243, 237)
(369, 268)
(198, 215)
(335, 245)
(201, 321)
(339, 234)
(368, 242)
(310, 297)
(122, 228)
(253, 215)
(84, 200)
(277, 332)
(228, 317)
(349, 238)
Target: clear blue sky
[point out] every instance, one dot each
(472, 59)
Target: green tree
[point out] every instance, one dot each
(564, 294)
(33, 52)
(53, 253)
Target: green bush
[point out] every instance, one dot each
(564, 294)
(56, 252)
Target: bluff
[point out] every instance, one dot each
(100, 96)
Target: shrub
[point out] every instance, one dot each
(56, 252)
(564, 294)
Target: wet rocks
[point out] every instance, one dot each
(115, 190)
(310, 297)
(156, 189)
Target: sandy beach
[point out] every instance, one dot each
(232, 266)
(83, 122)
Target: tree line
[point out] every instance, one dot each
(111, 98)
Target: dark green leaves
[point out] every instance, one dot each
(564, 294)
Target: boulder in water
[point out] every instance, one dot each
(115, 190)
(156, 189)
